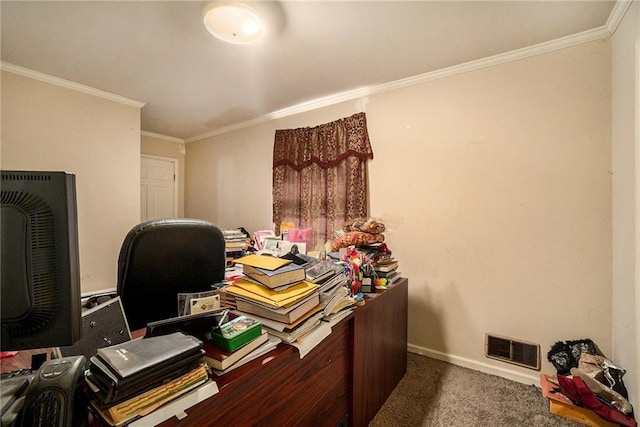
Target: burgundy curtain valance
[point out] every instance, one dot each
(325, 145)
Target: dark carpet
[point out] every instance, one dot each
(435, 393)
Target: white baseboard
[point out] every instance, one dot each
(509, 374)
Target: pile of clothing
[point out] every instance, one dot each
(590, 380)
(359, 232)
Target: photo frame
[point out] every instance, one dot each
(270, 244)
(284, 246)
(260, 235)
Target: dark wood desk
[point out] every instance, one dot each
(23, 359)
(379, 351)
(349, 375)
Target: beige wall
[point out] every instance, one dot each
(167, 147)
(626, 203)
(48, 127)
(228, 178)
(495, 186)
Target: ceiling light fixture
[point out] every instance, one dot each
(233, 22)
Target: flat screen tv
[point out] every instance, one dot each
(40, 280)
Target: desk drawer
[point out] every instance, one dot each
(284, 390)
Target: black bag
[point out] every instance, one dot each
(565, 355)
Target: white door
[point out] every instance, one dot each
(157, 188)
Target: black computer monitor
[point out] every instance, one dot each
(40, 280)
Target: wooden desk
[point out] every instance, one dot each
(23, 359)
(379, 351)
(348, 375)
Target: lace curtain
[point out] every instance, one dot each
(320, 175)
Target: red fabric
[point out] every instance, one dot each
(604, 411)
(568, 388)
(578, 392)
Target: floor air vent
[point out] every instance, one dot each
(512, 351)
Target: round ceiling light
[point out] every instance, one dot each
(233, 22)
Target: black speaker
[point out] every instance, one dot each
(54, 396)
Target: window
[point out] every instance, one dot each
(320, 175)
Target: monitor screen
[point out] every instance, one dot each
(40, 278)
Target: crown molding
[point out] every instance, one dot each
(616, 15)
(561, 43)
(36, 75)
(503, 58)
(289, 111)
(163, 137)
(607, 30)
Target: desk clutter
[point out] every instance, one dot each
(276, 295)
(266, 301)
(130, 380)
(297, 297)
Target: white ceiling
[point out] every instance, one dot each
(192, 84)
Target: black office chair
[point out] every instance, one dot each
(162, 258)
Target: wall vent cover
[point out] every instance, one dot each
(514, 351)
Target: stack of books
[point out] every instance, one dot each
(238, 341)
(384, 263)
(275, 291)
(278, 279)
(335, 300)
(387, 269)
(322, 271)
(236, 243)
(131, 380)
(339, 304)
(332, 281)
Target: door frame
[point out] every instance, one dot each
(176, 177)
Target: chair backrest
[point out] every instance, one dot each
(161, 258)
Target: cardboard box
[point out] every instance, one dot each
(560, 405)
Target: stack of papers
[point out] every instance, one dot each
(269, 298)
